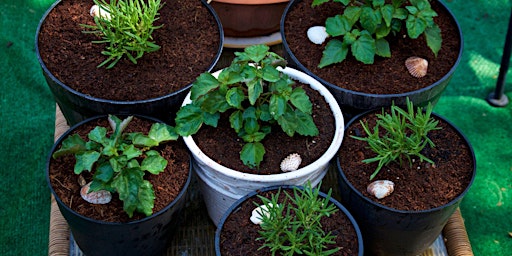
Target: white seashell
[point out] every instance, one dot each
(95, 11)
(291, 163)
(96, 197)
(256, 216)
(317, 34)
(416, 66)
(381, 188)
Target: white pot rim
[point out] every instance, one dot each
(304, 171)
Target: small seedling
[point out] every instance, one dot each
(256, 94)
(404, 135)
(125, 26)
(120, 161)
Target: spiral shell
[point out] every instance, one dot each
(95, 197)
(381, 188)
(416, 66)
(317, 34)
(291, 163)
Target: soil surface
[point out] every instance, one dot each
(420, 186)
(167, 185)
(386, 75)
(189, 43)
(238, 236)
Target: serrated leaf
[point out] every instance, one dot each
(235, 96)
(301, 101)
(154, 164)
(305, 124)
(98, 134)
(370, 19)
(387, 12)
(230, 75)
(254, 53)
(143, 140)
(211, 119)
(337, 25)
(188, 120)
(415, 26)
(382, 48)
(288, 122)
(263, 112)
(363, 48)
(104, 172)
(236, 120)
(215, 102)
(130, 151)
(434, 39)
(277, 105)
(270, 74)
(205, 83)
(335, 52)
(252, 154)
(71, 145)
(255, 88)
(85, 161)
(131, 188)
(161, 132)
(319, 2)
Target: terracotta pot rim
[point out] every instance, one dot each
(249, 2)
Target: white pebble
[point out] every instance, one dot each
(256, 216)
(381, 188)
(95, 197)
(317, 34)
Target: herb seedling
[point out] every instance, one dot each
(119, 161)
(127, 28)
(257, 94)
(293, 227)
(363, 27)
(405, 135)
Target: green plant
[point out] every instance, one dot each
(365, 24)
(294, 227)
(119, 161)
(258, 95)
(405, 135)
(126, 27)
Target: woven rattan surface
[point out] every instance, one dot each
(196, 234)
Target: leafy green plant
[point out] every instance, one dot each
(119, 161)
(257, 94)
(293, 227)
(364, 25)
(405, 134)
(126, 28)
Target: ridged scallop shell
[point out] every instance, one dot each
(381, 188)
(95, 197)
(291, 163)
(416, 66)
(317, 34)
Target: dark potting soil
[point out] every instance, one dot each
(386, 75)
(421, 186)
(189, 43)
(167, 185)
(222, 144)
(238, 236)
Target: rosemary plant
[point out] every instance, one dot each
(404, 135)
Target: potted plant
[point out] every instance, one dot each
(363, 50)
(120, 191)
(260, 118)
(77, 51)
(402, 173)
(288, 220)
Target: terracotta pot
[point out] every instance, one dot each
(249, 18)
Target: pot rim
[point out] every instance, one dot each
(250, 2)
(304, 171)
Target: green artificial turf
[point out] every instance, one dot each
(27, 113)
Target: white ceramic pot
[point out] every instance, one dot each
(222, 186)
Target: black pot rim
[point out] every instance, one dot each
(439, 208)
(118, 102)
(135, 222)
(256, 192)
(395, 95)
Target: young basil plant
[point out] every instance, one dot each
(256, 94)
(363, 27)
(404, 135)
(119, 162)
(126, 27)
(293, 227)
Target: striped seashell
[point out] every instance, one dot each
(95, 197)
(381, 188)
(416, 66)
(291, 163)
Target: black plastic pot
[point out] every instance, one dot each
(388, 231)
(77, 106)
(234, 207)
(353, 102)
(148, 236)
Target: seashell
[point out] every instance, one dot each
(416, 66)
(291, 163)
(381, 188)
(95, 197)
(317, 34)
(95, 11)
(256, 216)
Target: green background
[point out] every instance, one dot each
(27, 113)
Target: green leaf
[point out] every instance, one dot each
(305, 124)
(188, 120)
(254, 53)
(370, 19)
(85, 161)
(230, 75)
(263, 111)
(211, 119)
(71, 145)
(252, 154)
(127, 185)
(363, 48)
(300, 100)
(205, 83)
(154, 164)
(146, 198)
(319, 2)
(215, 102)
(382, 48)
(270, 74)
(387, 12)
(130, 151)
(288, 122)
(104, 172)
(143, 140)
(277, 105)
(337, 25)
(236, 120)
(400, 13)
(98, 134)
(434, 39)
(415, 26)
(161, 132)
(235, 96)
(255, 88)
(335, 52)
